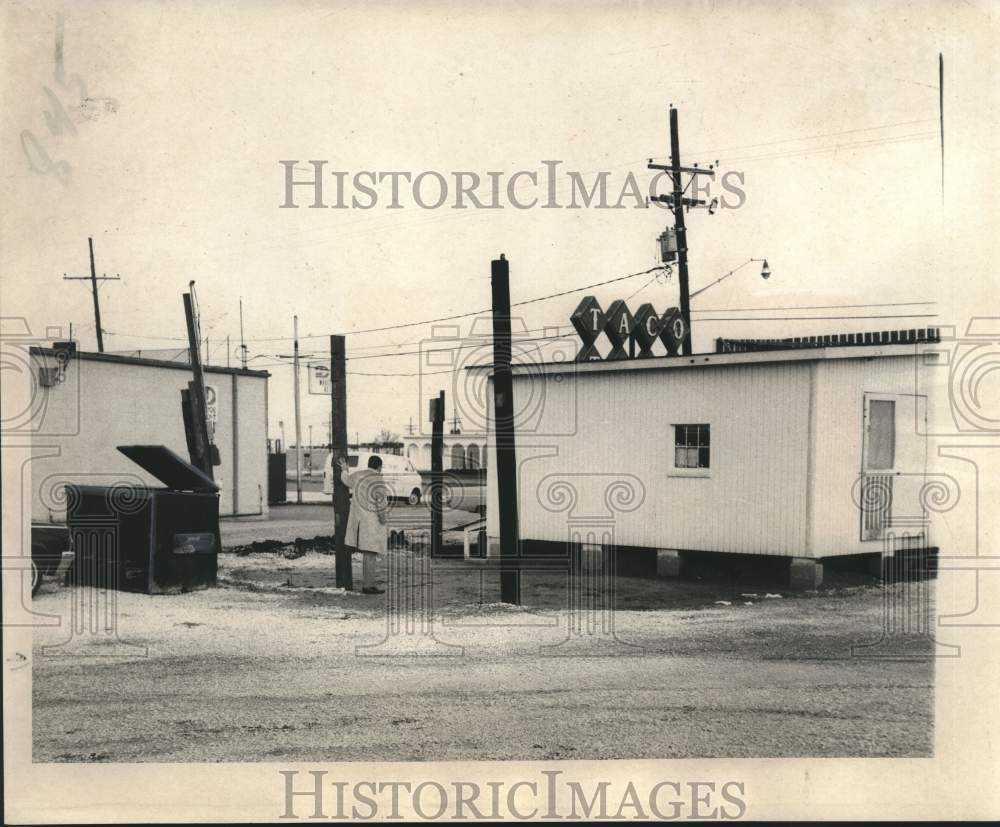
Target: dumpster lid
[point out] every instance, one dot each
(168, 468)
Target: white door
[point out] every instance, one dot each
(893, 467)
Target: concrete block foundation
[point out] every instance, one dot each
(591, 556)
(669, 562)
(804, 573)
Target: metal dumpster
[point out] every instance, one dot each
(152, 540)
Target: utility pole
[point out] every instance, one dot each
(503, 402)
(682, 247)
(298, 421)
(196, 392)
(93, 278)
(437, 471)
(338, 452)
(678, 202)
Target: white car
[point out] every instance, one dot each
(402, 478)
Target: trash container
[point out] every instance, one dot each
(152, 540)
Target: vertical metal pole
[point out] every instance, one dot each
(941, 115)
(97, 302)
(437, 471)
(682, 247)
(243, 346)
(298, 421)
(338, 451)
(503, 393)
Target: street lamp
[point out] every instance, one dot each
(765, 273)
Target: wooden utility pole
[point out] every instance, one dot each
(338, 452)
(93, 278)
(679, 203)
(298, 420)
(437, 471)
(196, 392)
(503, 395)
(682, 247)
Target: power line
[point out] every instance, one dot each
(403, 325)
(801, 153)
(485, 343)
(805, 307)
(513, 304)
(816, 318)
(702, 153)
(410, 373)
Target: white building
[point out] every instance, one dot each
(102, 400)
(462, 452)
(757, 453)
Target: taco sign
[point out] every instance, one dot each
(632, 336)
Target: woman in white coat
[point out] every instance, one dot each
(366, 531)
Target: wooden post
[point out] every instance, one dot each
(437, 471)
(190, 432)
(338, 451)
(503, 395)
(298, 419)
(199, 408)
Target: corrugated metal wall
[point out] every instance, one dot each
(601, 452)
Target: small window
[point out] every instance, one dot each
(881, 434)
(691, 446)
(352, 461)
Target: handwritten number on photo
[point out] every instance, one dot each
(39, 160)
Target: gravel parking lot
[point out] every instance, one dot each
(266, 667)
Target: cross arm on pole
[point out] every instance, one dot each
(689, 170)
(687, 202)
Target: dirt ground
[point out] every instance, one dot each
(267, 667)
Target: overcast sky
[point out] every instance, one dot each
(829, 111)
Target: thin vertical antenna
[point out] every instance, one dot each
(941, 114)
(243, 346)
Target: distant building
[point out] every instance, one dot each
(462, 452)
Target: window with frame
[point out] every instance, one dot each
(692, 446)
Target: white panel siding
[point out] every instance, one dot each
(252, 444)
(597, 429)
(104, 404)
(841, 386)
